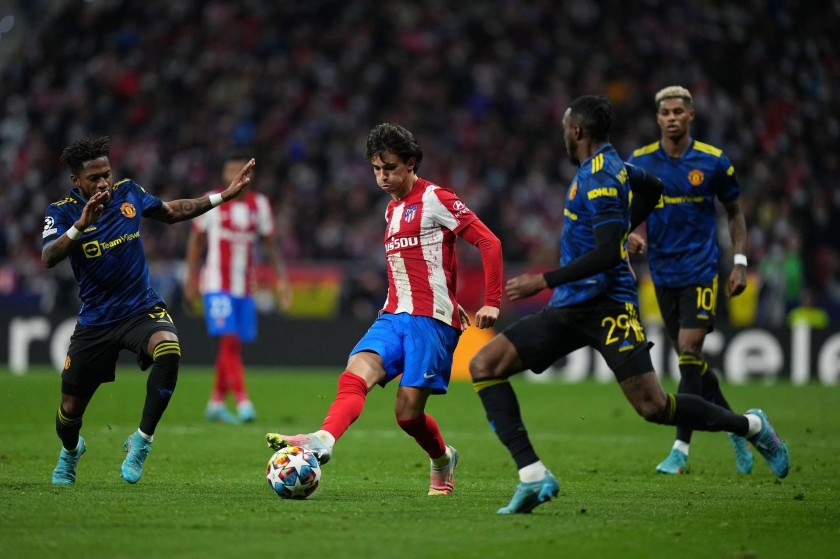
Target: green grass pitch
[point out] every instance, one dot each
(204, 492)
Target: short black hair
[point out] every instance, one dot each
(595, 116)
(83, 150)
(395, 139)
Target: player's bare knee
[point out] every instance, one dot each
(656, 414)
(653, 409)
(481, 367)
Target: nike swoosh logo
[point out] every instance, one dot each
(428, 375)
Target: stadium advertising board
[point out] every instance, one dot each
(801, 354)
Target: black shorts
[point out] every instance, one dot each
(692, 306)
(92, 357)
(611, 327)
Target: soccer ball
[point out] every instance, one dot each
(293, 473)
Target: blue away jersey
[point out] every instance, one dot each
(108, 260)
(599, 194)
(682, 230)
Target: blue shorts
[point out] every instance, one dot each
(418, 347)
(226, 314)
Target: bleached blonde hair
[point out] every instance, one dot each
(671, 92)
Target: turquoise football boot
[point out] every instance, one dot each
(530, 495)
(138, 449)
(771, 447)
(743, 456)
(65, 470)
(673, 464)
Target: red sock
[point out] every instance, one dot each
(231, 349)
(426, 432)
(220, 381)
(347, 406)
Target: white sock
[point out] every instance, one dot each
(755, 424)
(326, 438)
(149, 438)
(532, 472)
(681, 446)
(442, 460)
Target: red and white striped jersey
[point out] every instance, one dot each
(420, 252)
(232, 230)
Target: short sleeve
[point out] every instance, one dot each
(148, 202)
(56, 222)
(606, 202)
(726, 184)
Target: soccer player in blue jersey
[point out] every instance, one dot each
(684, 256)
(98, 227)
(594, 304)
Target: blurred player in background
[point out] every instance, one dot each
(98, 226)
(595, 303)
(684, 255)
(418, 328)
(227, 280)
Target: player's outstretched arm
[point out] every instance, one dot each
(181, 210)
(607, 253)
(60, 248)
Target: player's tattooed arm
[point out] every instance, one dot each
(57, 251)
(181, 210)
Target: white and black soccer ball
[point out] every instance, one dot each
(293, 473)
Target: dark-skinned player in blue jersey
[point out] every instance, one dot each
(98, 227)
(594, 304)
(684, 256)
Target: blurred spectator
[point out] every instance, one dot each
(782, 281)
(177, 84)
(808, 313)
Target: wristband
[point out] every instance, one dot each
(73, 233)
(740, 260)
(216, 199)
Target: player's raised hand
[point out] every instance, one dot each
(240, 182)
(94, 208)
(486, 316)
(524, 286)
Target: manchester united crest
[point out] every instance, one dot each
(695, 177)
(66, 362)
(127, 209)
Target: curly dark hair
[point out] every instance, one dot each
(83, 150)
(595, 115)
(395, 139)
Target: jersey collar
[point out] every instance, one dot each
(680, 156)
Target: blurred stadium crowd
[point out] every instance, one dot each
(484, 84)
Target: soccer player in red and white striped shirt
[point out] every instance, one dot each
(230, 235)
(418, 328)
